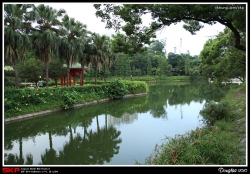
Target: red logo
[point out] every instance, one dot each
(10, 170)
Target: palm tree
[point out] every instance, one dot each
(99, 50)
(73, 39)
(46, 38)
(84, 58)
(17, 19)
(108, 58)
(105, 56)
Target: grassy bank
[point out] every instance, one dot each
(222, 142)
(27, 101)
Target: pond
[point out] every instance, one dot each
(119, 132)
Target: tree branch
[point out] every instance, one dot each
(237, 43)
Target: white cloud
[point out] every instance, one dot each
(85, 13)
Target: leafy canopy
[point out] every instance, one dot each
(128, 17)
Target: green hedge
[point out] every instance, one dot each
(23, 101)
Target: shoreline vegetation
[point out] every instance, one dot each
(47, 112)
(28, 101)
(221, 142)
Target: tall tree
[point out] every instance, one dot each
(17, 21)
(98, 46)
(232, 16)
(56, 69)
(45, 37)
(164, 67)
(187, 63)
(31, 70)
(128, 44)
(73, 41)
(149, 66)
(220, 60)
(107, 56)
(84, 57)
(157, 47)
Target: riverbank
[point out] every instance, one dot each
(26, 101)
(223, 143)
(47, 112)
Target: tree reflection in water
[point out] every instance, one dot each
(91, 148)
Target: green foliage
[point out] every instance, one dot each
(220, 144)
(16, 42)
(157, 47)
(139, 62)
(117, 88)
(187, 64)
(122, 66)
(126, 44)
(31, 70)
(164, 68)
(9, 81)
(193, 15)
(149, 67)
(69, 99)
(197, 77)
(56, 69)
(135, 87)
(203, 146)
(9, 73)
(178, 63)
(213, 111)
(220, 60)
(194, 72)
(129, 44)
(23, 101)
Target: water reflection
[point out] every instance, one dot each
(118, 132)
(125, 119)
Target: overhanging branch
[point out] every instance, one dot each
(237, 43)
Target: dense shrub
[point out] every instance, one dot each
(69, 99)
(213, 111)
(135, 87)
(26, 100)
(117, 88)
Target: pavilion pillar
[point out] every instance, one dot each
(61, 81)
(74, 79)
(80, 73)
(69, 79)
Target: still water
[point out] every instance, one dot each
(118, 132)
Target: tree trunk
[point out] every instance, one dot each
(104, 73)
(68, 71)
(56, 79)
(20, 160)
(83, 76)
(16, 71)
(47, 73)
(96, 74)
(50, 140)
(83, 62)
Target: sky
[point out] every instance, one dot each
(174, 35)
